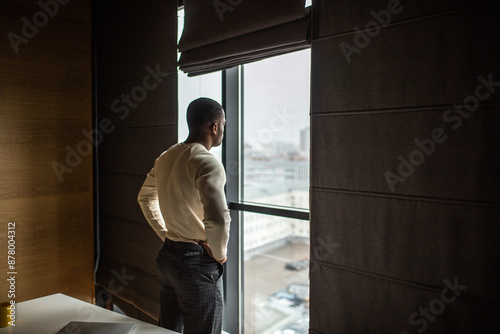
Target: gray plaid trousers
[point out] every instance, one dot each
(191, 299)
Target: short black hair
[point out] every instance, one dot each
(203, 112)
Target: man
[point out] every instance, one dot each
(183, 200)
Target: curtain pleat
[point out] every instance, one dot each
(215, 40)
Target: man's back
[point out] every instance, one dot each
(181, 173)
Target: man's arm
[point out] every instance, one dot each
(148, 200)
(216, 214)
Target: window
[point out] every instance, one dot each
(276, 282)
(275, 161)
(276, 130)
(266, 155)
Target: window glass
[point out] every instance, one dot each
(276, 171)
(190, 88)
(276, 284)
(276, 130)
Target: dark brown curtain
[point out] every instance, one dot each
(221, 34)
(135, 48)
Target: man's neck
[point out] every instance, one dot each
(206, 142)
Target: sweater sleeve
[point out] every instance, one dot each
(148, 200)
(211, 181)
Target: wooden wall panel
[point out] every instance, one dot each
(77, 13)
(120, 18)
(45, 103)
(55, 244)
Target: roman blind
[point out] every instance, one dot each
(224, 33)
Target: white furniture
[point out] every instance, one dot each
(47, 315)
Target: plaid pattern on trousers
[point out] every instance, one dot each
(191, 299)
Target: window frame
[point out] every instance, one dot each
(232, 153)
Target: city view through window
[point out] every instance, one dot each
(276, 172)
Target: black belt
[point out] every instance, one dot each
(185, 246)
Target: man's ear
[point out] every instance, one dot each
(215, 127)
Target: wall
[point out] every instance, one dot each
(382, 255)
(45, 103)
(137, 106)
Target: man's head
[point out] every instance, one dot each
(206, 119)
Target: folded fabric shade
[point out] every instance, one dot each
(248, 33)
